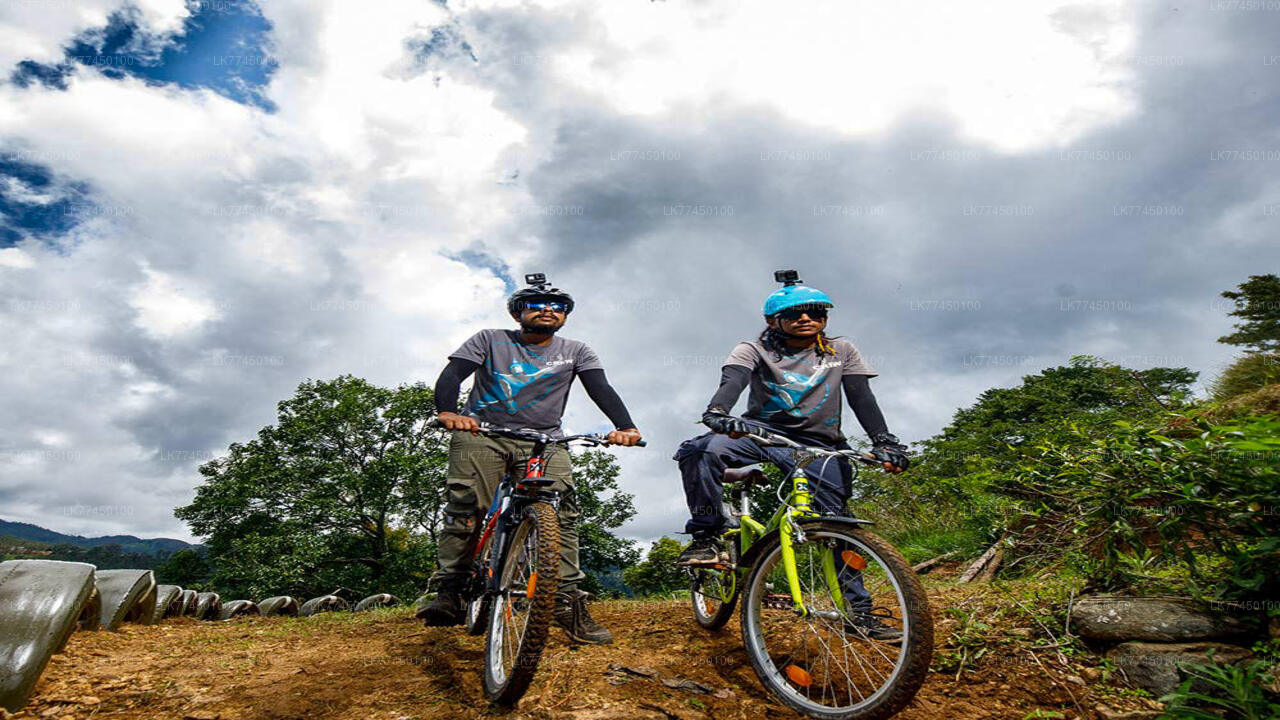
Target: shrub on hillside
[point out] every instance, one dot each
(1141, 509)
(1247, 374)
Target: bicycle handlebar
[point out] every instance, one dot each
(768, 438)
(535, 436)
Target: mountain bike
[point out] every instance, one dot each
(817, 591)
(511, 592)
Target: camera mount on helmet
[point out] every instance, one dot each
(787, 277)
(793, 293)
(539, 289)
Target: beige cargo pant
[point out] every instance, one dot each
(477, 464)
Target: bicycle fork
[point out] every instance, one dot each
(790, 532)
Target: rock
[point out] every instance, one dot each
(1275, 628)
(1076, 679)
(1155, 666)
(1021, 632)
(1151, 619)
(1091, 674)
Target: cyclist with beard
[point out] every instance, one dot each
(796, 376)
(522, 381)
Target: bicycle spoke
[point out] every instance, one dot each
(827, 657)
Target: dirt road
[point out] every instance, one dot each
(385, 665)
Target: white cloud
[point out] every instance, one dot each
(165, 309)
(1012, 74)
(39, 29)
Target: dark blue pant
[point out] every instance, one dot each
(703, 460)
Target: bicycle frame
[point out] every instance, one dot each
(798, 504)
(511, 493)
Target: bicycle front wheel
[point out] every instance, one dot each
(862, 643)
(521, 611)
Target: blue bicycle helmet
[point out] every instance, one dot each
(793, 294)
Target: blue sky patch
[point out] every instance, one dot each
(32, 202)
(476, 256)
(222, 46)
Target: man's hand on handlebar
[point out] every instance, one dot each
(454, 421)
(627, 437)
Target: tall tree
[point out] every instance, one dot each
(658, 574)
(315, 502)
(1257, 303)
(601, 553)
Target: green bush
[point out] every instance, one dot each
(658, 574)
(1142, 509)
(1235, 691)
(1246, 374)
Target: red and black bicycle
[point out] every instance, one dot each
(511, 594)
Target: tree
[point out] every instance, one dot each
(658, 574)
(347, 490)
(1258, 304)
(1089, 392)
(602, 554)
(319, 500)
(187, 568)
(949, 498)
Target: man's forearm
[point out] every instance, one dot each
(606, 398)
(449, 384)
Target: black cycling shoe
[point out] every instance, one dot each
(571, 614)
(868, 625)
(444, 611)
(702, 551)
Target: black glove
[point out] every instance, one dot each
(886, 448)
(721, 423)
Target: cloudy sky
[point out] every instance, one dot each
(203, 203)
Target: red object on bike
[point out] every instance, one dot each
(854, 560)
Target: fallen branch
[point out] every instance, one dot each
(928, 565)
(981, 563)
(989, 572)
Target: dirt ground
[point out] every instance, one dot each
(385, 665)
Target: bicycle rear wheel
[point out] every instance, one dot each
(522, 608)
(714, 590)
(827, 661)
(481, 603)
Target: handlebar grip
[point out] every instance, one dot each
(641, 443)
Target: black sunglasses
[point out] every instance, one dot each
(793, 314)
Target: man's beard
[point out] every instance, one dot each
(539, 329)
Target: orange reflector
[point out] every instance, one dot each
(854, 560)
(798, 675)
(533, 580)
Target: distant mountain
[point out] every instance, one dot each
(127, 543)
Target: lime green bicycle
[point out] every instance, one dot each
(834, 621)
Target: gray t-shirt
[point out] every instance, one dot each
(801, 393)
(519, 386)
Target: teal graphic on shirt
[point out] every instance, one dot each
(504, 389)
(789, 397)
(799, 392)
(519, 385)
